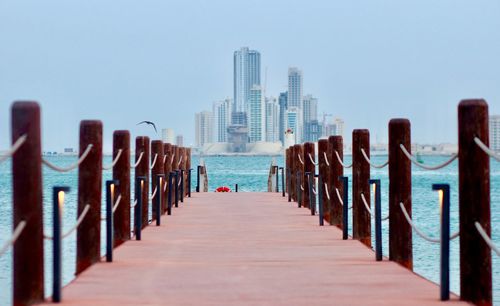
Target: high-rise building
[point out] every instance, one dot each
(168, 135)
(203, 128)
(283, 104)
(293, 118)
(495, 132)
(246, 75)
(335, 128)
(272, 120)
(256, 115)
(179, 140)
(294, 87)
(312, 131)
(222, 119)
(310, 108)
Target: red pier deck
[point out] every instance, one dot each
(248, 249)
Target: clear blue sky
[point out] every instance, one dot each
(126, 61)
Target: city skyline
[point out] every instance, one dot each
(142, 62)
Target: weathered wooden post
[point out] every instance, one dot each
(400, 232)
(323, 173)
(142, 170)
(299, 173)
(474, 202)
(27, 204)
(88, 235)
(361, 219)
(121, 173)
(188, 169)
(293, 178)
(336, 170)
(287, 173)
(157, 169)
(310, 168)
(167, 151)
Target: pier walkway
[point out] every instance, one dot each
(249, 249)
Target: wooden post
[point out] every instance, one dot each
(157, 150)
(474, 202)
(88, 236)
(167, 151)
(121, 173)
(335, 144)
(309, 167)
(293, 171)
(361, 219)
(27, 204)
(287, 169)
(188, 166)
(400, 232)
(299, 173)
(323, 173)
(142, 170)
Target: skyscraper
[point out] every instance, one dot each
(272, 120)
(256, 115)
(310, 108)
(283, 104)
(294, 87)
(222, 119)
(246, 75)
(495, 132)
(293, 118)
(203, 128)
(167, 135)
(179, 140)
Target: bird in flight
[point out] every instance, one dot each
(150, 123)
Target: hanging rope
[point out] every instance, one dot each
(368, 160)
(164, 159)
(19, 142)
(154, 193)
(71, 167)
(154, 161)
(327, 192)
(417, 163)
(326, 159)
(487, 150)
(78, 222)
(311, 159)
(363, 199)
(300, 159)
(172, 159)
(17, 232)
(180, 161)
(113, 163)
(138, 160)
(487, 239)
(340, 161)
(118, 200)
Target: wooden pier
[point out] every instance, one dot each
(247, 249)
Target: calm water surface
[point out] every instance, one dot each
(250, 173)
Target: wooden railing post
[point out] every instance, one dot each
(293, 171)
(309, 167)
(167, 151)
(121, 173)
(27, 195)
(299, 174)
(287, 173)
(157, 169)
(361, 218)
(474, 202)
(142, 170)
(88, 236)
(188, 176)
(323, 173)
(335, 144)
(400, 232)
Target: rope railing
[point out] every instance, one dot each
(17, 232)
(301, 187)
(172, 159)
(326, 159)
(311, 159)
(77, 224)
(138, 160)
(164, 159)
(300, 159)
(314, 190)
(113, 163)
(154, 161)
(180, 161)
(117, 203)
(417, 163)
(327, 192)
(154, 193)
(165, 186)
(339, 197)
(487, 150)
(420, 232)
(486, 239)
(133, 205)
(71, 167)
(368, 160)
(363, 199)
(19, 142)
(340, 161)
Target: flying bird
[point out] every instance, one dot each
(150, 123)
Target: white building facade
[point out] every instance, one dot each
(203, 128)
(246, 74)
(256, 115)
(222, 119)
(272, 120)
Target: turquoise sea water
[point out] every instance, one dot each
(251, 173)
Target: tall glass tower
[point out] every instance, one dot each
(294, 87)
(246, 75)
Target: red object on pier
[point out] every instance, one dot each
(223, 189)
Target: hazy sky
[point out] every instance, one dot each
(126, 61)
